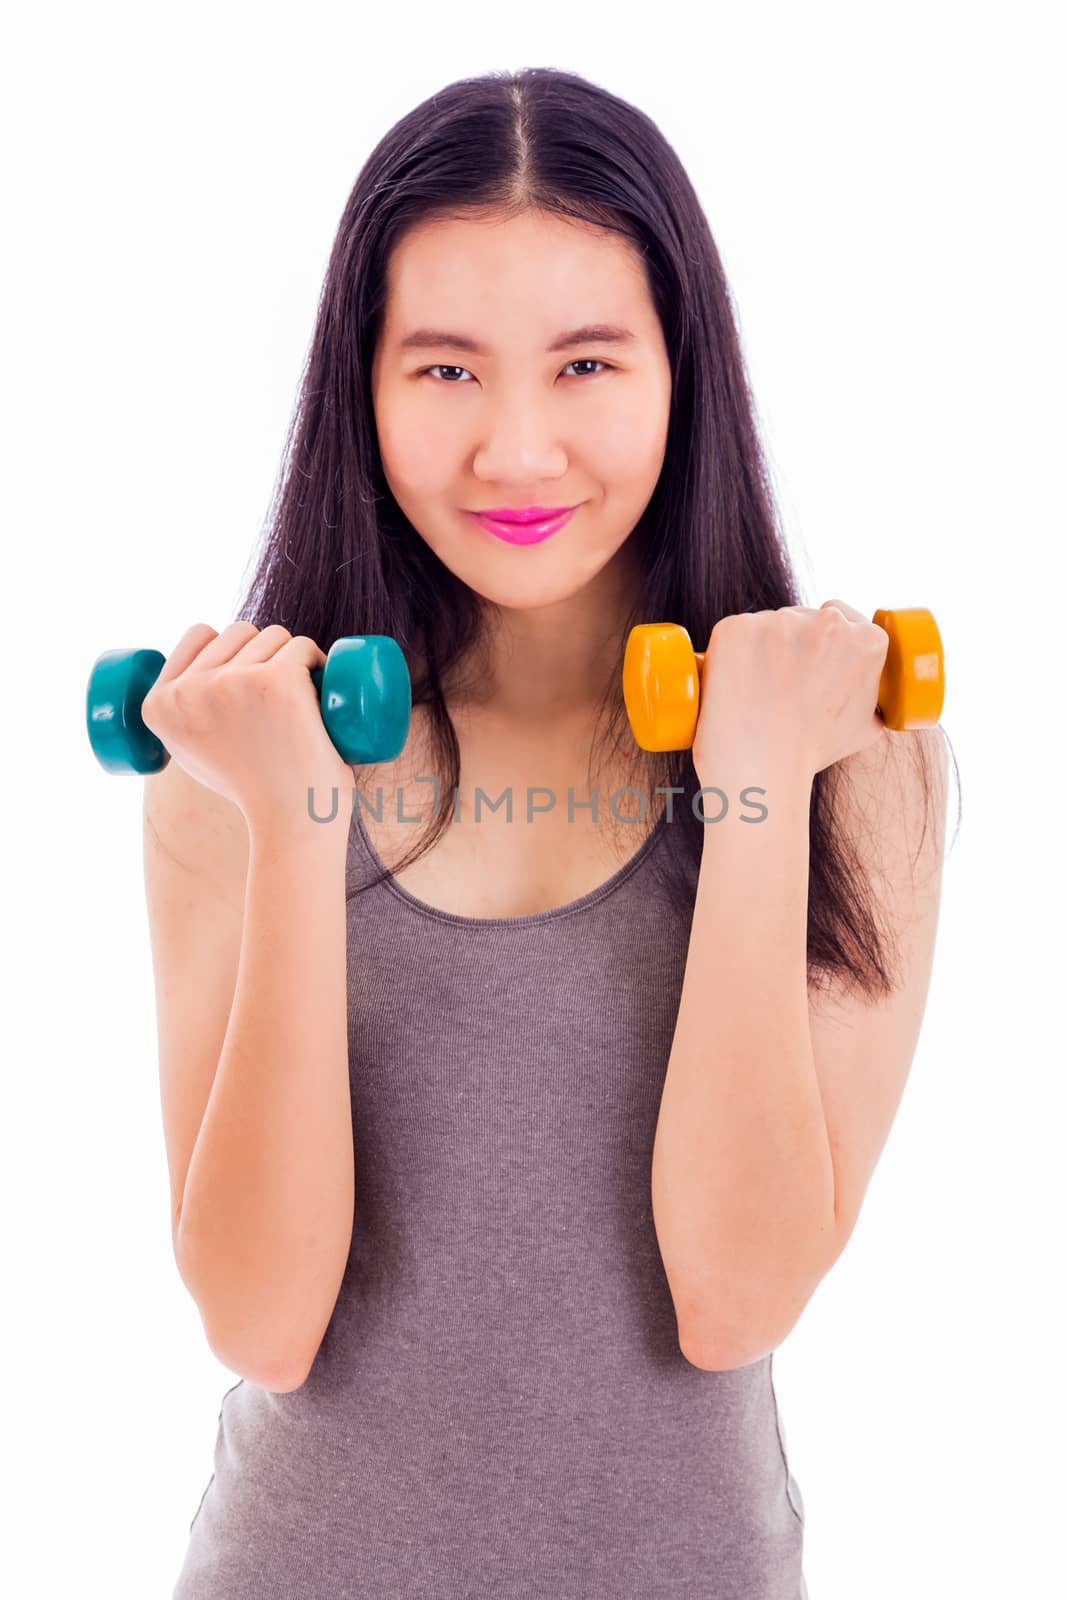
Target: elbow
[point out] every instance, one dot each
(720, 1355)
(268, 1364)
(719, 1349)
(281, 1378)
(740, 1335)
(277, 1374)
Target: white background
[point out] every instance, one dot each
(884, 185)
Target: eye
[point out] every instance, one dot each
(440, 367)
(589, 361)
(581, 361)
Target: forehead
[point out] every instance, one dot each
(514, 279)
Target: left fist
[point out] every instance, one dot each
(793, 684)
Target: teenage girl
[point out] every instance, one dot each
(514, 1114)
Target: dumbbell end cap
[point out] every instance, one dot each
(911, 691)
(661, 686)
(365, 694)
(118, 683)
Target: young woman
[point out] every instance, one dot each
(509, 1135)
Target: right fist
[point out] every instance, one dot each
(239, 711)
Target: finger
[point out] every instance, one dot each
(224, 647)
(189, 646)
(305, 650)
(265, 644)
(846, 610)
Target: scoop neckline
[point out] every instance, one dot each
(528, 919)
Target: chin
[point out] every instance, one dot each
(528, 591)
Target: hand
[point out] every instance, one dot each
(793, 685)
(239, 711)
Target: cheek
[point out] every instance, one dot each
(419, 458)
(628, 440)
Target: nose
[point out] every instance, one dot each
(520, 444)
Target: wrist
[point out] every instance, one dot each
(748, 763)
(301, 818)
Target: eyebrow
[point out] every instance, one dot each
(439, 339)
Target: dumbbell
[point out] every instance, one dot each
(661, 678)
(364, 692)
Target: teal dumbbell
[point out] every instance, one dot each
(364, 691)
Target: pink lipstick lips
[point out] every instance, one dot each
(528, 526)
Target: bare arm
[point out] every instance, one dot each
(251, 985)
(742, 1174)
(776, 1107)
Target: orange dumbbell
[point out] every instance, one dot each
(661, 678)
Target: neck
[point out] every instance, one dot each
(553, 665)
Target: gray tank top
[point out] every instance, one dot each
(499, 1409)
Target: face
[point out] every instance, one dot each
(517, 424)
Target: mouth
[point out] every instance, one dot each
(526, 531)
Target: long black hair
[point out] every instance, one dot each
(339, 557)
